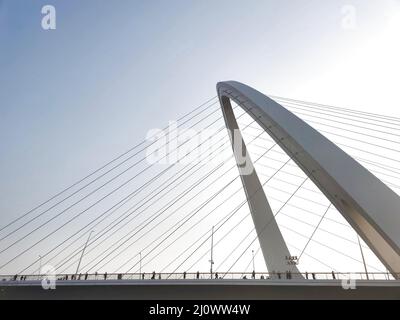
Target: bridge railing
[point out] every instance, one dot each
(202, 275)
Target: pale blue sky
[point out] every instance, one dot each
(73, 98)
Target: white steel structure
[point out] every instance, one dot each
(370, 207)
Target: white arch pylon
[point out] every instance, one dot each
(370, 207)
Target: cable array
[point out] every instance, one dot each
(158, 216)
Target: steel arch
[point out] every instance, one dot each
(369, 206)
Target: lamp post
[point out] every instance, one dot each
(212, 252)
(40, 264)
(254, 267)
(363, 259)
(140, 263)
(83, 252)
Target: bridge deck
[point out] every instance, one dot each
(203, 289)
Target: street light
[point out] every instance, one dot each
(140, 262)
(254, 268)
(83, 252)
(212, 252)
(40, 264)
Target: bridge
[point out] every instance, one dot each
(322, 190)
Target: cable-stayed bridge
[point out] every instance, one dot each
(313, 206)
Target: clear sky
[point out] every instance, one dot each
(74, 97)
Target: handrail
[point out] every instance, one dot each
(204, 276)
